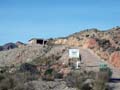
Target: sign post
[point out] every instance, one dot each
(75, 54)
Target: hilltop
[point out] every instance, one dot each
(49, 60)
(106, 44)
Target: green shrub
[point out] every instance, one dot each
(48, 75)
(108, 70)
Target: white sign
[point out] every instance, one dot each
(74, 53)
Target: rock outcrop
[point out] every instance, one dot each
(90, 43)
(115, 59)
(70, 41)
(103, 43)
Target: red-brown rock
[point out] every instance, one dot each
(115, 59)
(90, 43)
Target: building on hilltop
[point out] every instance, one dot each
(37, 41)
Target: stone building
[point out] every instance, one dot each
(37, 41)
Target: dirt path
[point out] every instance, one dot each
(90, 59)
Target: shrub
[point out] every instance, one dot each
(83, 80)
(77, 79)
(47, 61)
(48, 75)
(101, 80)
(27, 67)
(57, 75)
(15, 80)
(107, 70)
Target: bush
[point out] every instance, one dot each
(77, 79)
(107, 70)
(101, 80)
(48, 75)
(47, 61)
(26, 67)
(11, 81)
(83, 80)
(57, 75)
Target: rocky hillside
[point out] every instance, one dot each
(48, 67)
(105, 44)
(30, 52)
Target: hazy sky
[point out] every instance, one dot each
(25, 19)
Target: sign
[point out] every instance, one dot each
(74, 53)
(103, 66)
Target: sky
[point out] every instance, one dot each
(21, 20)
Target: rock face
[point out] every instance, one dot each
(115, 59)
(70, 41)
(90, 43)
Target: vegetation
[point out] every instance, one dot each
(16, 80)
(83, 80)
(21, 78)
(101, 80)
(27, 72)
(46, 60)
